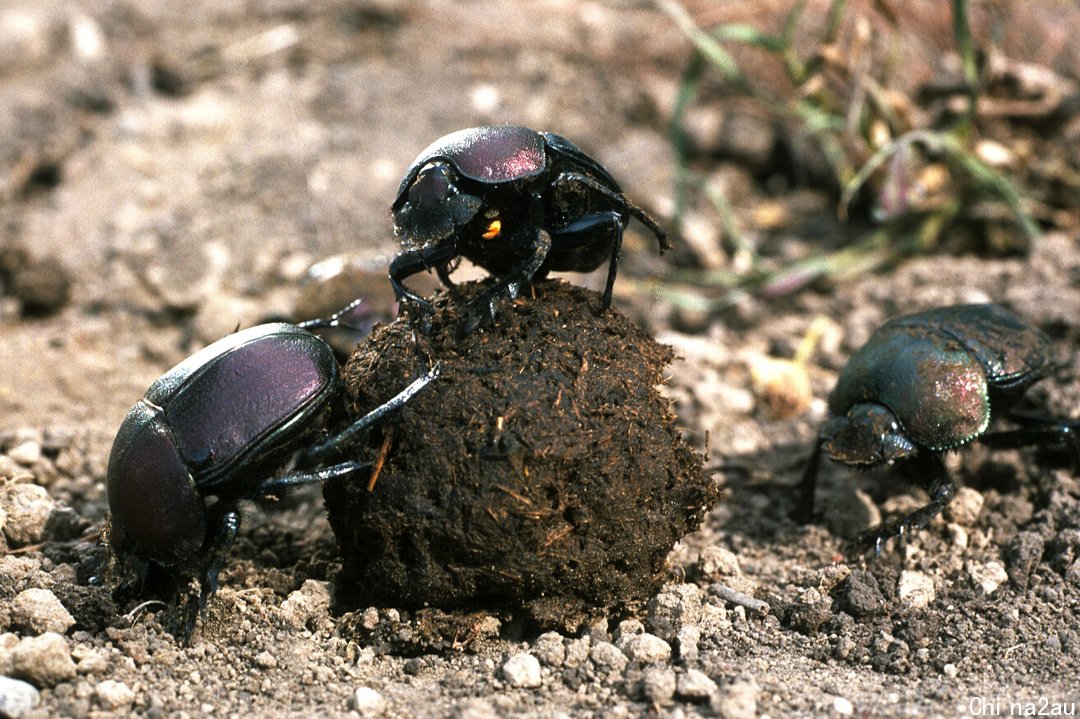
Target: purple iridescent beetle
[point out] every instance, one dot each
(518, 203)
(247, 417)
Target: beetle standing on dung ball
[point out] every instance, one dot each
(518, 203)
(929, 382)
(238, 420)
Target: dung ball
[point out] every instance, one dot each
(542, 472)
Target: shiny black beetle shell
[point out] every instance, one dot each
(942, 370)
(491, 155)
(517, 202)
(207, 427)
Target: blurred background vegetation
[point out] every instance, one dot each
(891, 130)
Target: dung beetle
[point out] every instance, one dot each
(240, 419)
(518, 203)
(929, 382)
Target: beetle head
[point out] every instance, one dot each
(434, 207)
(868, 434)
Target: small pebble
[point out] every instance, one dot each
(26, 453)
(265, 660)
(987, 577)
(578, 651)
(645, 648)
(20, 569)
(549, 649)
(843, 706)
(522, 670)
(717, 562)
(674, 607)
(687, 641)
(367, 701)
(370, 618)
(10, 469)
(17, 698)
(38, 611)
(695, 686)
(658, 684)
(113, 695)
(950, 670)
(737, 700)
(310, 602)
(965, 507)
(628, 627)
(915, 589)
(43, 287)
(608, 656)
(860, 594)
(27, 507)
(44, 661)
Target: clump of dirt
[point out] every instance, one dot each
(542, 471)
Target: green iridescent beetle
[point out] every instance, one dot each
(929, 382)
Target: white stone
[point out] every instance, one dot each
(843, 706)
(113, 695)
(915, 589)
(522, 670)
(39, 611)
(17, 698)
(987, 577)
(368, 701)
(645, 648)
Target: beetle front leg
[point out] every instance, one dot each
(348, 435)
(413, 262)
(929, 471)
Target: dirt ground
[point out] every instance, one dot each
(193, 169)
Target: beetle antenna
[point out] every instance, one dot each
(334, 320)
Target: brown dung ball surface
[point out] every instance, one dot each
(541, 471)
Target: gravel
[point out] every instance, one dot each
(44, 660)
(17, 698)
(38, 611)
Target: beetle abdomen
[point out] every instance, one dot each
(224, 416)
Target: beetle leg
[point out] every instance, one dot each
(1037, 431)
(585, 228)
(620, 200)
(274, 486)
(929, 471)
(227, 530)
(349, 434)
(334, 320)
(412, 262)
(443, 271)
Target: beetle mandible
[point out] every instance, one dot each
(518, 203)
(929, 382)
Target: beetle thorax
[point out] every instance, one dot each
(868, 434)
